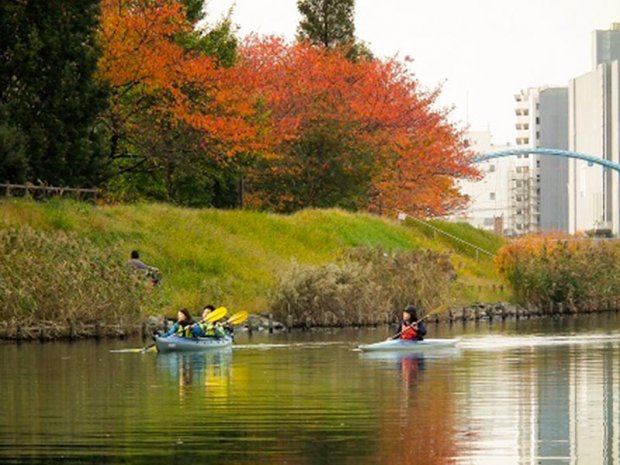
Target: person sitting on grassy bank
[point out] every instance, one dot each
(151, 272)
(185, 326)
(410, 328)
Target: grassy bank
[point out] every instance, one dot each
(235, 257)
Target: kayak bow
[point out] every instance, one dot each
(408, 346)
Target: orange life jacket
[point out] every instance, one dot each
(408, 333)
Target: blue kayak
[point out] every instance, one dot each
(403, 345)
(183, 344)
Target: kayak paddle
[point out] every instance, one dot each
(238, 318)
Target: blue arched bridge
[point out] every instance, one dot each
(550, 152)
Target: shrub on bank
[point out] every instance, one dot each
(58, 277)
(367, 286)
(547, 271)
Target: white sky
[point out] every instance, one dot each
(482, 51)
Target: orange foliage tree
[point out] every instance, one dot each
(387, 141)
(170, 107)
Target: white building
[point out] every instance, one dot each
(540, 192)
(489, 206)
(524, 184)
(594, 129)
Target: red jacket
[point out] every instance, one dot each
(408, 333)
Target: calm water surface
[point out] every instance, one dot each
(538, 392)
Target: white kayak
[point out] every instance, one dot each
(402, 345)
(199, 344)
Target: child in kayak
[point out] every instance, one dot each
(410, 328)
(184, 326)
(206, 329)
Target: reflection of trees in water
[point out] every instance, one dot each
(423, 430)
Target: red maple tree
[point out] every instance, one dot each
(418, 154)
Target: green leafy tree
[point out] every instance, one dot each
(48, 96)
(329, 23)
(218, 40)
(194, 10)
(325, 167)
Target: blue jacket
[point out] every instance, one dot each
(176, 327)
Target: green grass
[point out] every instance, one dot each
(483, 239)
(235, 257)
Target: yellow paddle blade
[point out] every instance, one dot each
(216, 315)
(238, 318)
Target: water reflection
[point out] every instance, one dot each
(509, 398)
(409, 365)
(555, 403)
(418, 421)
(211, 370)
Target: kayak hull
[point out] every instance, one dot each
(401, 345)
(182, 344)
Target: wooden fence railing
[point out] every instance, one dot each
(43, 191)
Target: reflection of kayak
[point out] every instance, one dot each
(182, 344)
(402, 345)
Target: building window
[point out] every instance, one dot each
(538, 120)
(519, 198)
(492, 196)
(526, 141)
(527, 155)
(492, 169)
(537, 135)
(518, 169)
(519, 183)
(519, 212)
(537, 163)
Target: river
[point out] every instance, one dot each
(526, 392)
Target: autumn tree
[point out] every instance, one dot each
(350, 133)
(48, 98)
(176, 114)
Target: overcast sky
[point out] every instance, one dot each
(481, 51)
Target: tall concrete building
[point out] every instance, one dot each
(553, 181)
(594, 129)
(525, 178)
(606, 45)
(539, 184)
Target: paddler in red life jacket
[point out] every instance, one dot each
(410, 328)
